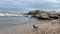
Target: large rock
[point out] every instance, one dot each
(58, 13)
(44, 16)
(33, 12)
(53, 15)
(41, 14)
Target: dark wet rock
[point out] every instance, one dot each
(41, 14)
(53, 15)
(58, 13)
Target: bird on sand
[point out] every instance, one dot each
(34, 26)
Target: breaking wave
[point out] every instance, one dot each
(8, 14)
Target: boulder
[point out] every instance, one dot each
(53, 15)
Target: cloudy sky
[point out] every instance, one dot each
(27, 5)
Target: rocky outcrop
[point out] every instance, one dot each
(53, 15)
(41, 14)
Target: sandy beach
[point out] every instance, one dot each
(43, 28)
(52, 27)
(15, 29)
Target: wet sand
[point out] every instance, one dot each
(46, 26)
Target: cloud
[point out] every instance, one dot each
(27, 5)
(52, 1)
(42, 1)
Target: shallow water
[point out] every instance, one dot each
(13, 21)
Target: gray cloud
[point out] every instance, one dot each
(27, 5)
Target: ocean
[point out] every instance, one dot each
(13, 19)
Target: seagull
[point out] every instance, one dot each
(34, 26)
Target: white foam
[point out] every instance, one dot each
(8, 14)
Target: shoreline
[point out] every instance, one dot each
(25, 29)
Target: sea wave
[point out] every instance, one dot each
(8, 14)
